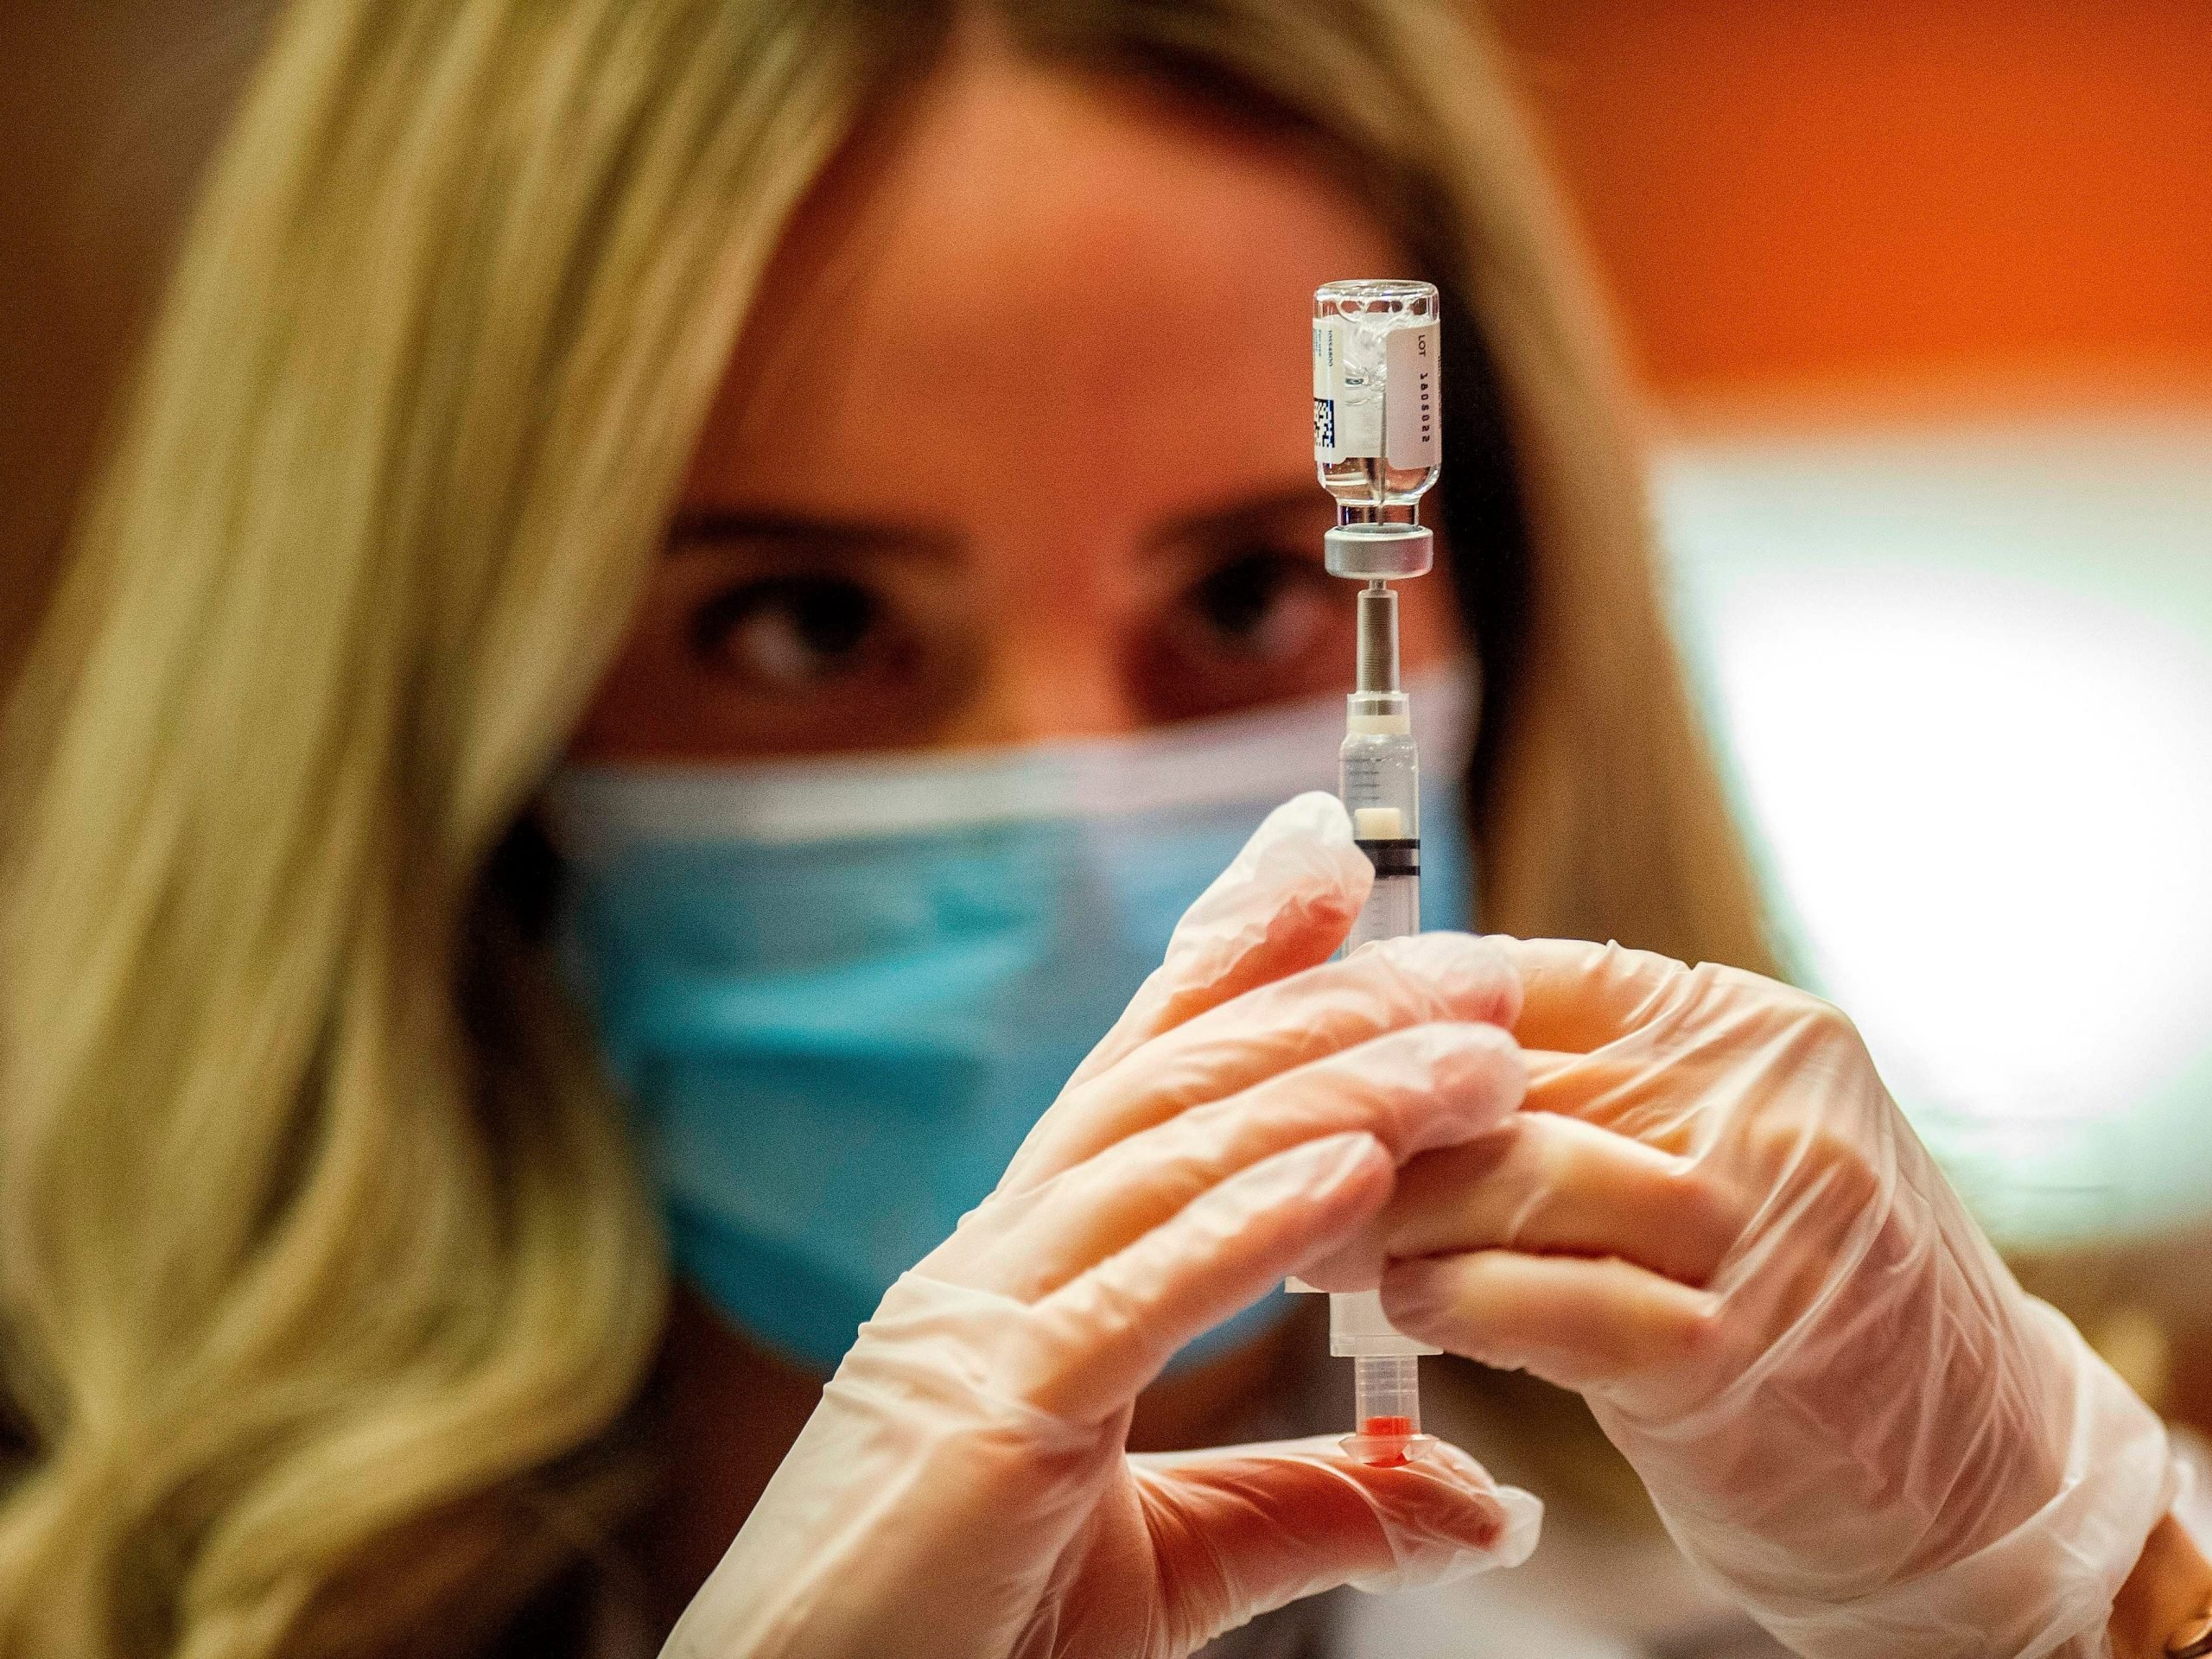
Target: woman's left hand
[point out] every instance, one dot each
(1712, 1221)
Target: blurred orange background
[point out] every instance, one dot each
(1838, 193)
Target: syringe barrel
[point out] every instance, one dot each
(1378, 776)
(1380, 780)
(1392, 911)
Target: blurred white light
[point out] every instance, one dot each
(1992, 806)
(1969, 706)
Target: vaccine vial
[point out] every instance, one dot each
(1377, 408)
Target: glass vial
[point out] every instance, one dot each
(1377, 408)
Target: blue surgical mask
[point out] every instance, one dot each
(838, 993)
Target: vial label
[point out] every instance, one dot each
(1411, 389)
(1347, 404)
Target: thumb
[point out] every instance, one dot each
(1242, 1530)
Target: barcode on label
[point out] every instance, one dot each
(1325, 423)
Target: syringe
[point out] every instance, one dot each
(1375, 444)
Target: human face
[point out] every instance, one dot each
(1014, 447)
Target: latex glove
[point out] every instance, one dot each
(1715, 1225)
(964, 1488)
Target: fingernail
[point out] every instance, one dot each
(1303, 822)
(1312, 817)
(1316, 815)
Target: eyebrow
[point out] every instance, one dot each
(1241, 518)
(795, 532)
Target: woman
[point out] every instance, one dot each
(332, 1287)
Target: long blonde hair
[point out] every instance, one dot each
(325, 1272)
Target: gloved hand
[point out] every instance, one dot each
(964, 1489)
(1714, 1224)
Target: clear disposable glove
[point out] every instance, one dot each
(964, 1488)
(1714, 1224)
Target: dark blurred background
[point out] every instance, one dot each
(108, 110)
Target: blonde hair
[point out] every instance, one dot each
(325, 1269)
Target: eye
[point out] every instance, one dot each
(793, 633)
(1266, 605)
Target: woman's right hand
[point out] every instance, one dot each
(964, 1488)
(1712, 1221)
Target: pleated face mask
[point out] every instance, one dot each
(838, 993)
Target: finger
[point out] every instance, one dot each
(1284, 902)
(1577, 1323)
(1576, 996)
(1542, 1184)
(1593, 1085)
(1696, 1101)
(1103, 1336)
(1423, 979)
(1425, 1087)
(1546, 1184)
(1243, 1530)
(1682, 1100)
